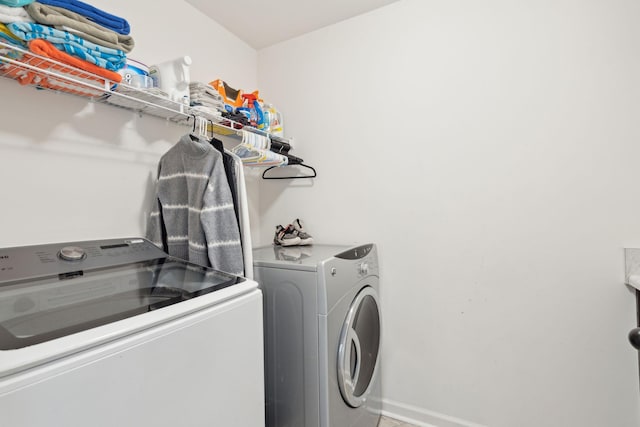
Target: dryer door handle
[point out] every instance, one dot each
(353, 343)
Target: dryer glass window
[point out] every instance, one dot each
(39, 310)
(359, 348)
(367, 327)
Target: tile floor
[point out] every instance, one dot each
(390, 422)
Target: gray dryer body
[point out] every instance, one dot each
(322, 335)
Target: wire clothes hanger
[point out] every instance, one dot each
(292, 161)
(257, 149)
(199, 131)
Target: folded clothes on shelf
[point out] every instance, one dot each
(16, 3)
(200, 88)
(46, 49)
(111, 59)
(8, 36)
(203, 95)
(203, 102)
(240, 119)
(107, 20)
(79, 25)
(206, 112)
(14, 14)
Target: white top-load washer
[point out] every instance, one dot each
(322, 330)
(117, 333)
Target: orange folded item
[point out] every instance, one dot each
(44, 48)
(78, 72)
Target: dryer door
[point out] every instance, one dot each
(359, 347)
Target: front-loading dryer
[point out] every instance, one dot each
(322, 331)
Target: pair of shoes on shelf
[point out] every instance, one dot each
(293, 234)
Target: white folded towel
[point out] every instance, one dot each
(198, 88)
(10, 14)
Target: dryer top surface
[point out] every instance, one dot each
(306, 258)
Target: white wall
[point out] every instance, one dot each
(72, 170)
(490, 149)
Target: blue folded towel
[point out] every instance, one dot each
(7, 39)
(16, 3)
(112, 22)
(105, 57)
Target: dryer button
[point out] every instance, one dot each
(364, 268)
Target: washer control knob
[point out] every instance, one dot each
(364, 268)
(72, 253)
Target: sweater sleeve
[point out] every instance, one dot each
(220, 225)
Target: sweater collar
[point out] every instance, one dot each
(195, 148)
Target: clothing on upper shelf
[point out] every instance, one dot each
(14, 14)
(16, 3)
(77, 24)
(46, 49)
(7, 36)
(205, 99)
(194, 216)
(205, 94)
(107, 20)
(111, 59)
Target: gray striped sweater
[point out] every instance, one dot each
(195, 208)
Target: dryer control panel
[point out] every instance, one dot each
(70, 258)
(357, 252)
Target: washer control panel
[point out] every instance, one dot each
(27, 262)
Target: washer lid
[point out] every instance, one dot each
(38, 310)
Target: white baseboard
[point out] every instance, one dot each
(421, 417)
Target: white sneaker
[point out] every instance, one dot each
(299, 231)
(285, 236)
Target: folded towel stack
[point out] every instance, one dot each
(80, 26)
(100, 17)
(74, 33)
(105, 57)
(204, 97)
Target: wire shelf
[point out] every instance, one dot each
(30, 69)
